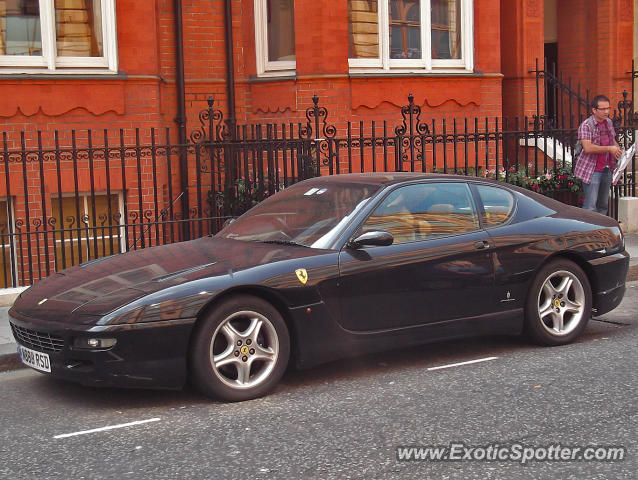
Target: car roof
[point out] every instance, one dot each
(387, 178)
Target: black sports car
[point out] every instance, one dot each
(328, 268)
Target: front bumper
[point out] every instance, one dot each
(608, 288)
(146, 355)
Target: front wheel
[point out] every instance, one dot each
(559, 304)
(240, 350)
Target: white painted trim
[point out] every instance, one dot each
(394, 71)
(377, 62)
(426, 65)
(109, 29)
(276, 73)
(281, 65)
(384, 33)
(47, 21)
(426, 34)
(467, 14)
(50, 63)
(22, 60)
(367, 63)
(59, 71)
(266, 68)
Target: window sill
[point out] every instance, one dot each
(359, 73)
(267, 77)
(16, 73)
(277, 73)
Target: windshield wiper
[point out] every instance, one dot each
(283, 242)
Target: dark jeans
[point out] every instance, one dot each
(597, 192)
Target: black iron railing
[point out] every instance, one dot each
(559, 103)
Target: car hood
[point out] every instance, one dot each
(99, 286)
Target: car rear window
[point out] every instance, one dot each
(498, 205)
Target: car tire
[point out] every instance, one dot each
(240, 349)
(559, 304)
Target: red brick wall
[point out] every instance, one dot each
(102, 102)
(145, 94)
(595, 42)
(521, 44)
(507, 40)
(322, 68)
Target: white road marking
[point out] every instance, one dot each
(110, 427)
(463, 363)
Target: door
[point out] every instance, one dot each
(438, 268)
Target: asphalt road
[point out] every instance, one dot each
(345, 420)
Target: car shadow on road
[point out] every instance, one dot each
(431, 355)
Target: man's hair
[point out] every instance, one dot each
(597, 99)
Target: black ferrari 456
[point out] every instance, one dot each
(328, 268)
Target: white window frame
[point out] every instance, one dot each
(50, 63)
(266, 68)
(385, 64)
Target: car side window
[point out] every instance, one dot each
(424, 211)
(497, 203)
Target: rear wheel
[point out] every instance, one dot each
(559, 304)
(240, 350)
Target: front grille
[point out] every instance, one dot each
(37, 340)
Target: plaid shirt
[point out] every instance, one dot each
(586, 163)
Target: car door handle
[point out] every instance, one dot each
(482, 245)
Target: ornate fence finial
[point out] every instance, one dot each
(315, 114)
(411, 114)
(625, 115)
(210, 120)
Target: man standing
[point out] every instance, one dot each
(596, 163)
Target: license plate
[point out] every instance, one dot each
(37, 360)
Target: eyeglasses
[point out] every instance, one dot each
(603, 109)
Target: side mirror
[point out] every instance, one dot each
(379, 238)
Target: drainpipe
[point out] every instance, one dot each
(181, 114)
(229, 152)
(230, 68)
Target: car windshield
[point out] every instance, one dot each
(310, 214)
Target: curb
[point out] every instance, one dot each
(9, 296)
(10, 361)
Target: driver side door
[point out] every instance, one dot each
(438, 268)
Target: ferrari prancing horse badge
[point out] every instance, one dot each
(302, 275)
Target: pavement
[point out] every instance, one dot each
(9, 358)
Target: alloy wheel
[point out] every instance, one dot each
(244, 349)
(561, 303)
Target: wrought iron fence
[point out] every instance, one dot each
(69, 197)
